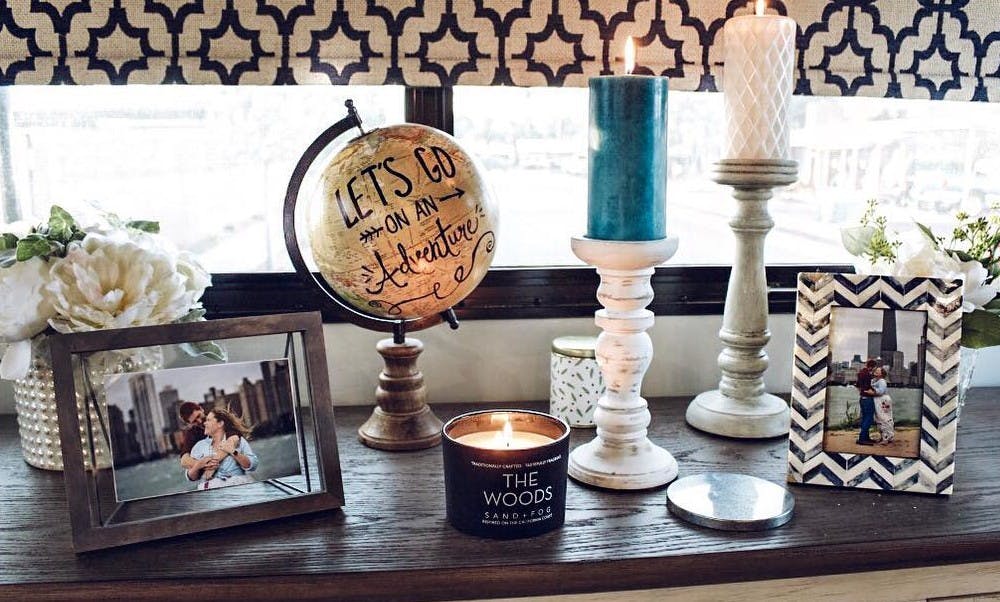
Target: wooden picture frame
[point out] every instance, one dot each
(828, 353)
(100, 520)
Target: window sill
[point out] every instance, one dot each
(611, 540)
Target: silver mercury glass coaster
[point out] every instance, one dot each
(731, 502)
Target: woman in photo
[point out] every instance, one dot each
(883, 407)
(223, 458)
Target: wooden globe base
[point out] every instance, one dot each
(402, 420)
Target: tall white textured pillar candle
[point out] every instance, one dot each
(757, 85)
(757, 80)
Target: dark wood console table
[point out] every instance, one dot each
(391, 540)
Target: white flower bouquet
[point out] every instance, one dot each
(972, 253)
(62, 277)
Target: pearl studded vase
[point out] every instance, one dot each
(35, 401)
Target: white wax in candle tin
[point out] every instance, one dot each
(757, 86)
(496, 440)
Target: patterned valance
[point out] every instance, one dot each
(941, 49)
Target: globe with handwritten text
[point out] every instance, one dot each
(402, 223)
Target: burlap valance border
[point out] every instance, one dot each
(938, 49)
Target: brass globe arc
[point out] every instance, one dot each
(371, 322)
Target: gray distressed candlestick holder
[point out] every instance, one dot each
(621, 456)
(740, 407)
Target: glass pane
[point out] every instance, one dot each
(152, 411)
(533, 143)
(924, 159)
(211, 163)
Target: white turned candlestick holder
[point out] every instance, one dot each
(621, 456)
(740, 407)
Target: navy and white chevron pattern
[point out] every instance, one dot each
(939, 49)
(818, 294)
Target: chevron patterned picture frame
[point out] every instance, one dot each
(894, 341)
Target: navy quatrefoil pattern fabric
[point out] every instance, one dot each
(939, 49)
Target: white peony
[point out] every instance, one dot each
(918, 257)
(976, 293)
(198, 278)
(111, 281)
(24, 312)
(24, 309)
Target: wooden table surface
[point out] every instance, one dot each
(391, 540)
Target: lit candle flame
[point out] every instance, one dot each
(759, 7)
(629, 56)
(508, 432)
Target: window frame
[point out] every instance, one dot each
(517, 293)
(507, 292)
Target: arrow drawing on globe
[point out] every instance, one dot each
(458, 193)
(411, 224)
(371, 233)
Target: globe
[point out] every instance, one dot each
(402, 223)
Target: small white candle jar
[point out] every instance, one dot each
(575, 380)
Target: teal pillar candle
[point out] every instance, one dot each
(627, 190)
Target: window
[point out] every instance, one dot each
(923, 159)
(210, 163)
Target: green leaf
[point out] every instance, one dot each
(209, 349)
(993, 305)
(980, 329)
(32, 245)
(61, 223)
(928, 233)
(857, 239)
(145, 226)
(963, 256)
(8, 241)
(195, 315)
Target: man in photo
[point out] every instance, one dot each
(193, 417)
(867, 401)
(224, 457)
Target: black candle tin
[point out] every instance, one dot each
(505, 493)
